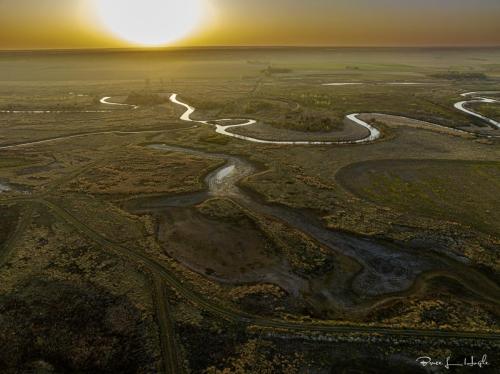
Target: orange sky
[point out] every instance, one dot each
(32, 24)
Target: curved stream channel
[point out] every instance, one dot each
(387, 270)
(374, 133)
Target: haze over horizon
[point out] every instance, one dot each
(62, 24)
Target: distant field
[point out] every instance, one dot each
(461, 191)
(239, 83)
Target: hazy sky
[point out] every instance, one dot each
(27, 24)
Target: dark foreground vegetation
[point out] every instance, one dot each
(51, 326)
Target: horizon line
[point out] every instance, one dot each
(166, 48)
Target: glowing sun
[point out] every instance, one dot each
(150, 22)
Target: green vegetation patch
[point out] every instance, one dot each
(459, 191)
(145, 98)
(214, 139)
(307, 121)
(270, 70)
(222, 209)
(460, 76)
(488, 110)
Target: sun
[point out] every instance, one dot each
(150, 22)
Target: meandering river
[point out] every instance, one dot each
(220, 128)
(374, 133)
(225, 129)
